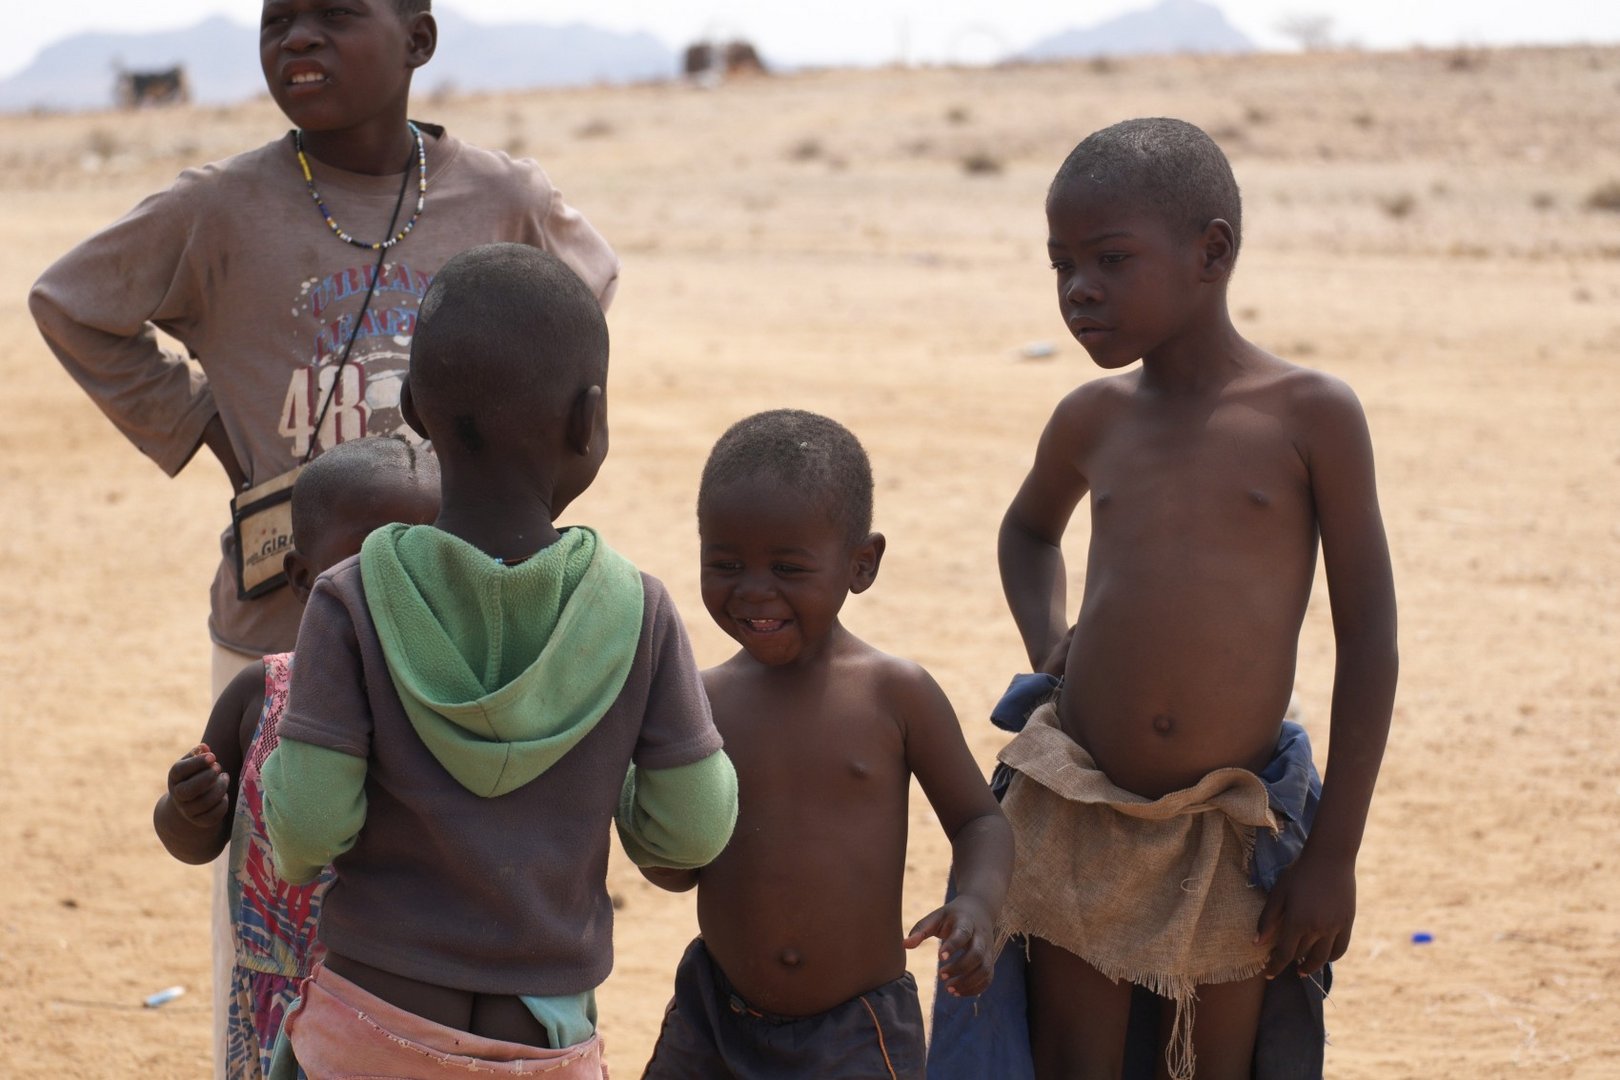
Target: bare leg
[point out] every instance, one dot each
(1224, 1029)
(1077, 1016)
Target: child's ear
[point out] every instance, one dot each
(866, 557)
(300, 573)
(587, 422)
(421, 39)
(1217, 250)
(407, 408)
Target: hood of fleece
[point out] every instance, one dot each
(501, 669)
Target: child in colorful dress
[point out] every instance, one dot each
(214, 792)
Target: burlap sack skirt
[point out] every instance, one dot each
(1153, 891)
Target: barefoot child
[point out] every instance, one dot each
(1213, 470)
(468, 702)
(215, 793)
(800, 971)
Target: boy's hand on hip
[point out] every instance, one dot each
(1309, 914)
(219, 444)
(199, 788)
(967, 940)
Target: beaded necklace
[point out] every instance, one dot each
(376, 271)
(421, 194)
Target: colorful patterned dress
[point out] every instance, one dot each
(275, 921)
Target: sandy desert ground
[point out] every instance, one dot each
(871, 245)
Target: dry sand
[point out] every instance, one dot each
(1416, 224)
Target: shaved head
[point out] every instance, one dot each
(1168, 166)
(812, 455)
(507, 337)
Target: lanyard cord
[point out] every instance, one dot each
(359, 319)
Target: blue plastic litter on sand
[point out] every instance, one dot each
(1422, 938)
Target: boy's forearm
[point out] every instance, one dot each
(678, 818)
(100, 331)
(1034, 579)
(314, 807)
(1363, 700)
(982, 860)
(186, 841)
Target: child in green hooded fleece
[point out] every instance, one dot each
(475, 700)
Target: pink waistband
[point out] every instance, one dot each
(340, 1030)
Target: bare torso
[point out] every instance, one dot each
(802, 909)
(1203, 549)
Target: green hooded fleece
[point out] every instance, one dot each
(502, 669)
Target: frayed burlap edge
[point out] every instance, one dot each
(1080, 885)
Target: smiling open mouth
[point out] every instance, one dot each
(764, 626)
(306, 78)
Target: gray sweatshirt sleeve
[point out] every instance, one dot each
(99, 307)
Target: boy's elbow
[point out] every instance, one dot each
(703, 835)
(189, 849)
(670, 879)
(43, 307)
(294, 871)
(679, 818)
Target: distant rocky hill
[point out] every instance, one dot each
(1172, 26)
(221, 58)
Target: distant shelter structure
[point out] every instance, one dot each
(139, 89)
(715, 61)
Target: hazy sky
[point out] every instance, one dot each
(870, 31)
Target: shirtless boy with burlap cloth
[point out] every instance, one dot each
(1214, 468)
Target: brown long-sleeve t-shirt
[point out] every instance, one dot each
(236, 263)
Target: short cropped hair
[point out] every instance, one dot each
(506, 339)
(409, 8)
(338, 477)
(809, 453)
(1169, 165)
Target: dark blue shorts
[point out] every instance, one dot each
(710, 1033)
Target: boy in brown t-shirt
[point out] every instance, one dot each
(291, 274)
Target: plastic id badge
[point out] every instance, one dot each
(262, 518)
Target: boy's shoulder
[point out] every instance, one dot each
(1091, 405)
(1312, 389)
(1096, 396)
(1307, 393)
(479, 165)
(228, 178)
(886, 671)
(471, 168)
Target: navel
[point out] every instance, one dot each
(790, 958)
(859, 770)
(1259, 498)
(1163, 724)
